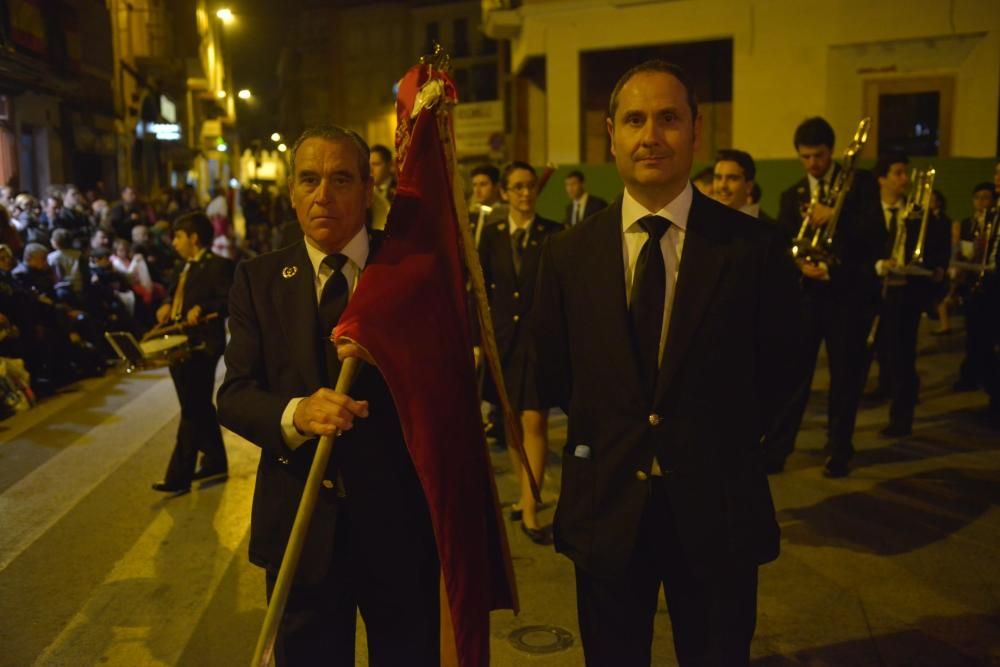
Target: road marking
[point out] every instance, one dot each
(36, 502)
(150, 604)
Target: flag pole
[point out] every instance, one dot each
(293, 550)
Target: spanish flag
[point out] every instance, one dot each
(410, 312)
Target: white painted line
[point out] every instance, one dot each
(150, 604)
(37, 501)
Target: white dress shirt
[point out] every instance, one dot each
(356, 252)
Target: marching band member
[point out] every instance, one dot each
(201, 288)
(839, 300)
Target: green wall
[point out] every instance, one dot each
(955, 178)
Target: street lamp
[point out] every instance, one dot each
(282, 148)
(221, 94)
(244, 94)
(225, 15)
(275, 136)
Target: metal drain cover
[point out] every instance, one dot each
(541, 639)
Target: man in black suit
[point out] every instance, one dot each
(370, 544)
(669, 369)
(839, 298)
(508, 252)
(581, 204)
(733, 183)
(199, 290)
(906, 296)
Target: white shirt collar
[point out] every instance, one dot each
(514, 226)
(356, 251)
(753, 210)
(676, 211)
(814, 182)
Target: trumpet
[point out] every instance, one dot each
(815, 243)
(917, 204)
(988, 241)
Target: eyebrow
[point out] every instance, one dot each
(313, 172)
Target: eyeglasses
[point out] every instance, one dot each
(522, 187)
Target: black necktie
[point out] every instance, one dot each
(332, 303)
(822, 191)
(893, 226)
(517, 239)
(649, 292)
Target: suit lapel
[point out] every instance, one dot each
(295, 301)
(702, 263)
(607, 291)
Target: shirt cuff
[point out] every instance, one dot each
(289, 433)
(880, 267)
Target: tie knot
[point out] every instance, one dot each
(893, 209)
(335, 262)
(654, 225)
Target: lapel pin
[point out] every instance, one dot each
(289, 271)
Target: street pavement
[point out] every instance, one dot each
(895, 565)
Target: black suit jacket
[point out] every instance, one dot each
(207, 285)
(858, 240)
(594, 204)
(727, 368)
(277, 352)
(511, 295)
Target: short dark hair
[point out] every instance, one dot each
(577, 174)
(196, 223)
(487, 170)
(741, 158)
(383, 151)
(514, 166)
(756, 193)
(985, 185)
(656, 65)
(61, 239)
(885, 162)
(814, 131)
(333, 133)
(706, 175)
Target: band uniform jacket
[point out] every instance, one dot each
(207, 285)
(727, 367)
(936, 255)
(511, 294)
(277, 352)
(857, 241)
(594, 204)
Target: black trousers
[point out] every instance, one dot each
(390, 572)
(713, 614)
(982, 335)
(843, 324)
(900, 324)
(199, 430)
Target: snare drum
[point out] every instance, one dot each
(165, 350)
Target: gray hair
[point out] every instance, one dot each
(336, 134)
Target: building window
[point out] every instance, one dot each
(461, 37)
(432, 34)
(911, 116)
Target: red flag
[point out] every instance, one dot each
(410, 313)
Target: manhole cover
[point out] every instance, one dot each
(541, 639)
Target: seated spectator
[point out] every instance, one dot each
(26, 217)
(110, 299)
(8, 232)
(65, 262)
(128, 261)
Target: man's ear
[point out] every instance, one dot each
(697, 131)
(611, 133)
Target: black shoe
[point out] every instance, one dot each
(176, 490)
(516, 513)
(835, 468)
(203, 475)
(541, 536)
(896, 431)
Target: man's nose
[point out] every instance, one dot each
(323, 191)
